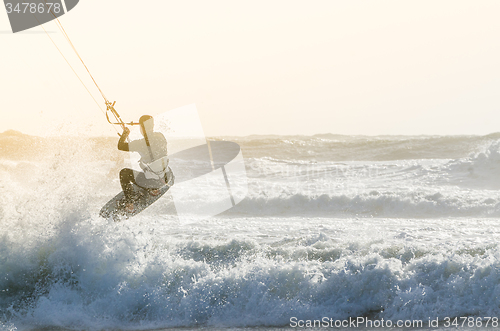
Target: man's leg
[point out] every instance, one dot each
(167, 180)
(127, 181)
(169, 177)
(148, 183)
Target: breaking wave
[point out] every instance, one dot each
(93, 275)
(335, 226)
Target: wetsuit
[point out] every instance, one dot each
(157, 149)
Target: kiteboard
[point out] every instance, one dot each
(115, 208)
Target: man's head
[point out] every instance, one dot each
(147, 124)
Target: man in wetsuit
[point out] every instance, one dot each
(151, 148)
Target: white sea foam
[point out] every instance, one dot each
(393, 238)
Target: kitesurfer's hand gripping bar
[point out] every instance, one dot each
(110, 107)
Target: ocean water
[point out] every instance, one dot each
(400, 228)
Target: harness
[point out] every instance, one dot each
(157, 169)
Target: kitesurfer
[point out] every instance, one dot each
(152, 147)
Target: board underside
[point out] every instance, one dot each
(115, 208)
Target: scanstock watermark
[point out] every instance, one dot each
(365, 322)
(26, 14)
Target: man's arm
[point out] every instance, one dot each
(122, 143)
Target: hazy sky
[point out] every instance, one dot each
(262, 67)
